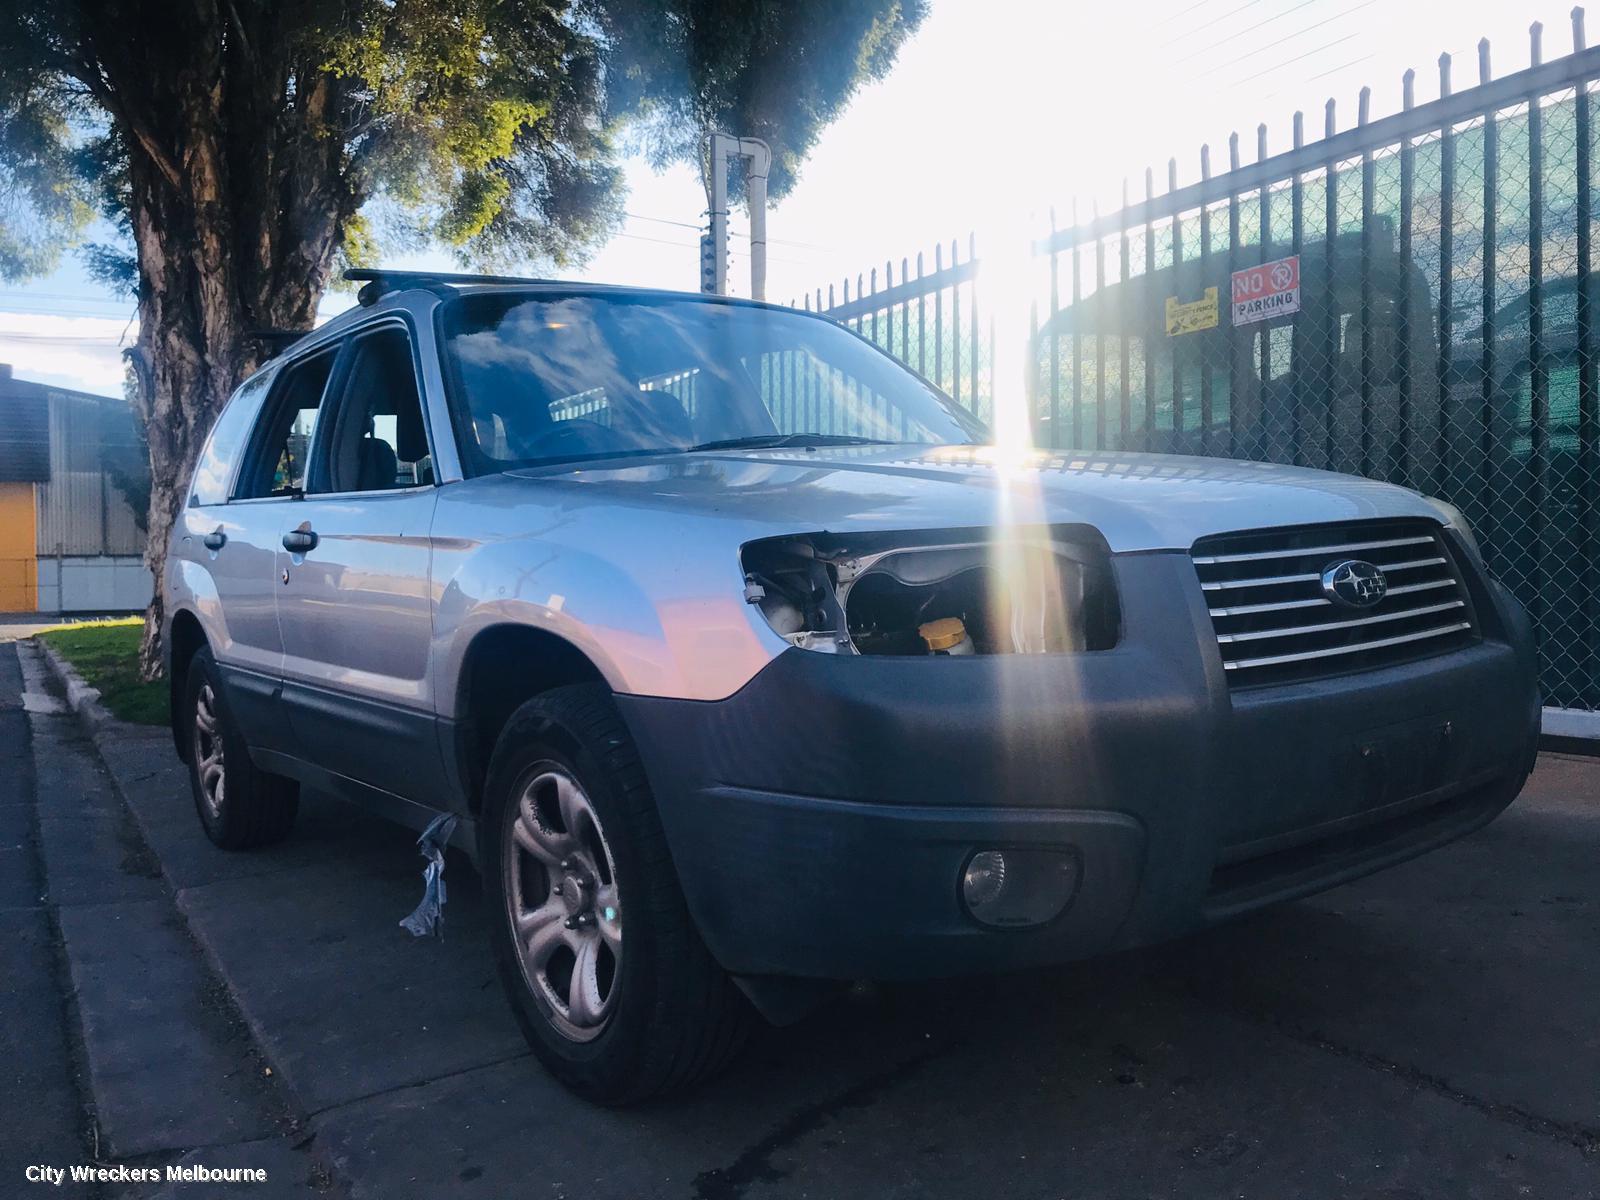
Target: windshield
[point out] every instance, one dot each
(560, 379)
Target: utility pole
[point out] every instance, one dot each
(714, 245)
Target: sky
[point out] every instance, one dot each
(996, 112)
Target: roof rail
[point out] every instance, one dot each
(381, 283)
(275, 341)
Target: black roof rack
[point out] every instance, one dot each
(381, 283)
(276, 341)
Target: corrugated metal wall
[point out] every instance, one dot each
(81, 511)
(24, 444)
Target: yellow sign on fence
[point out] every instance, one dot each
(1193, 316)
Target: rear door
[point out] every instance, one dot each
(244, 487)
(355, 605)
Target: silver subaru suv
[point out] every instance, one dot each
(747, 667)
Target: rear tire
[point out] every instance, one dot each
(240, 806)
(573, 851)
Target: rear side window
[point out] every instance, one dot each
(214, 471)
(276, 462)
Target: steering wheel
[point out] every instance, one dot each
(571, 437)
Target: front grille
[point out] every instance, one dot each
(1274, 623)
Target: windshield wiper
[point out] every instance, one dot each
(768, 441)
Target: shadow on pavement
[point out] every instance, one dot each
(1426, 1032)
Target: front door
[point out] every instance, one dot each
(355, 602)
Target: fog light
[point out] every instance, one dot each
(985, 878)
(1018, 887)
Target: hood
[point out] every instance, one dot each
(1136, 501)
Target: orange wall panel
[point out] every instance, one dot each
(18, 568)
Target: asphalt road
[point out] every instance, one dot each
(1429, 1032)
(44, 1096)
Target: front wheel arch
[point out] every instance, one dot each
(504, 667)
(677, 1017)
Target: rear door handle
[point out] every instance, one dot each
(215, 540)
(298, 541)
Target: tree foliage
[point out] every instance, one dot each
(240, 149)
(487, 126)
(778, 71)
(42, 200)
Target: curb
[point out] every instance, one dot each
(81, 698)
(97, 722)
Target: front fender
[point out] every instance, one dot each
(658, 620)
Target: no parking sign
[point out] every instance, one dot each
(1269, 290)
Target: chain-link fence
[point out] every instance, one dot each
(1420, 310)
(1409, 299)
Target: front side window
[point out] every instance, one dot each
(377, 441)
(276, 464)
(560, 379)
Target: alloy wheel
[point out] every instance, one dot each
(210, 767)
(562, 902)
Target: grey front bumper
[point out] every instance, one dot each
(820, 818)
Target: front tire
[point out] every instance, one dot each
(240, 806)
(573, 854)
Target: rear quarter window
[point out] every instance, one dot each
(214, 472)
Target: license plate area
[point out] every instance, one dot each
(1396, 762)
(1334, 774)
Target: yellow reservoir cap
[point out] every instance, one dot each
(943, 634)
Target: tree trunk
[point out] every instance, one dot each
(180, 394)
(238, 190)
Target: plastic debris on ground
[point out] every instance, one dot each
(428, 918)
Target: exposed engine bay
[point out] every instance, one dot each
(1041, 591)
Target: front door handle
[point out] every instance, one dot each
(298, 541)
(215, 540)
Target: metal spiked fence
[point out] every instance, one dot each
(1409, 298)
(930, 320)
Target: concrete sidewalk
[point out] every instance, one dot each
(1426, 1032)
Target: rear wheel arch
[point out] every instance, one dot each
(504, 667)
(185, 638)
(239, 805)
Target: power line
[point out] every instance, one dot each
(639, 237)
(633, 216)
(75, 297)
(1308, 54)
(63, 313)
(1353, 62)
(1214, 21)
(1247, 29)
(1289, 38)
(41, 291)
(738, 233)
(55, 309)
(98, 339)
(772, 241)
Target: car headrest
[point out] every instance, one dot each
(410, 437)
(377, 467)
